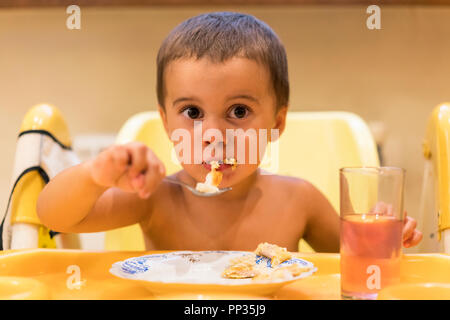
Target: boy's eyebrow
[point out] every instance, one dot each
(243, 96)
(182, 99)
(239, 96)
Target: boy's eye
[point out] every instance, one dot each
(239, 111)
(192, 112)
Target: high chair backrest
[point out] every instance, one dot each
(435, 218)
(314, 146)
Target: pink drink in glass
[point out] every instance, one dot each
(370, 254)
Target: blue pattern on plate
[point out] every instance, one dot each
(295, 260)
(263, 260)
(139, 264)
(268, 261)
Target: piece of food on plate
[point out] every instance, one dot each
(241, 268)
(246, 266)
(275, 253)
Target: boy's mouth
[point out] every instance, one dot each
(220, 165)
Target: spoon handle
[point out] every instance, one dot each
(194, 191)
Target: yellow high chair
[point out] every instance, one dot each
(43, 149)
(314, 146)
(436, 149)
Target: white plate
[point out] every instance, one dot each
(198, 270)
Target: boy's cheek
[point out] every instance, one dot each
(195, 171)
(249, 149)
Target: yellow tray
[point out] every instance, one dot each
(76, 274)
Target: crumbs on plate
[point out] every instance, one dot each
(246, 267)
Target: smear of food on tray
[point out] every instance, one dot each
(267, 262)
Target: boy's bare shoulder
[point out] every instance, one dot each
(302, 194)
(307, 203)
(291, 185)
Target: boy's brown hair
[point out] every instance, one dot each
(220, 36)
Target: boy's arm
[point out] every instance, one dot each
(107, 192)
(322, 227)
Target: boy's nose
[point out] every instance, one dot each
(212, 132)
(214, 138)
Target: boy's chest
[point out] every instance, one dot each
(199, 226)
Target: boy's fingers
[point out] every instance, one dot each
(409, 221)
(128, 162)
(124, 183)
(109, 165)
(418, 236)
(378, 207)
(121, 158)
(383, 208)
(138, 163)
(414, 240)
(138, 182)
(156, 164)
(155, 173)
(132, 167)
(409, 227)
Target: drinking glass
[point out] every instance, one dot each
(371, 213)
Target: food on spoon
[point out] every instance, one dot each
(246, 266)
(213, 179)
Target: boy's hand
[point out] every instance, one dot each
(132, 167)
(411, 236)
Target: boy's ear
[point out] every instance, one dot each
(280, 122)
(162, 113)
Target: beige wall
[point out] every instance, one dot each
(102, 74)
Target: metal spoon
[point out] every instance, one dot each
(194, 191)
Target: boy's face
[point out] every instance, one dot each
(235, 94)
